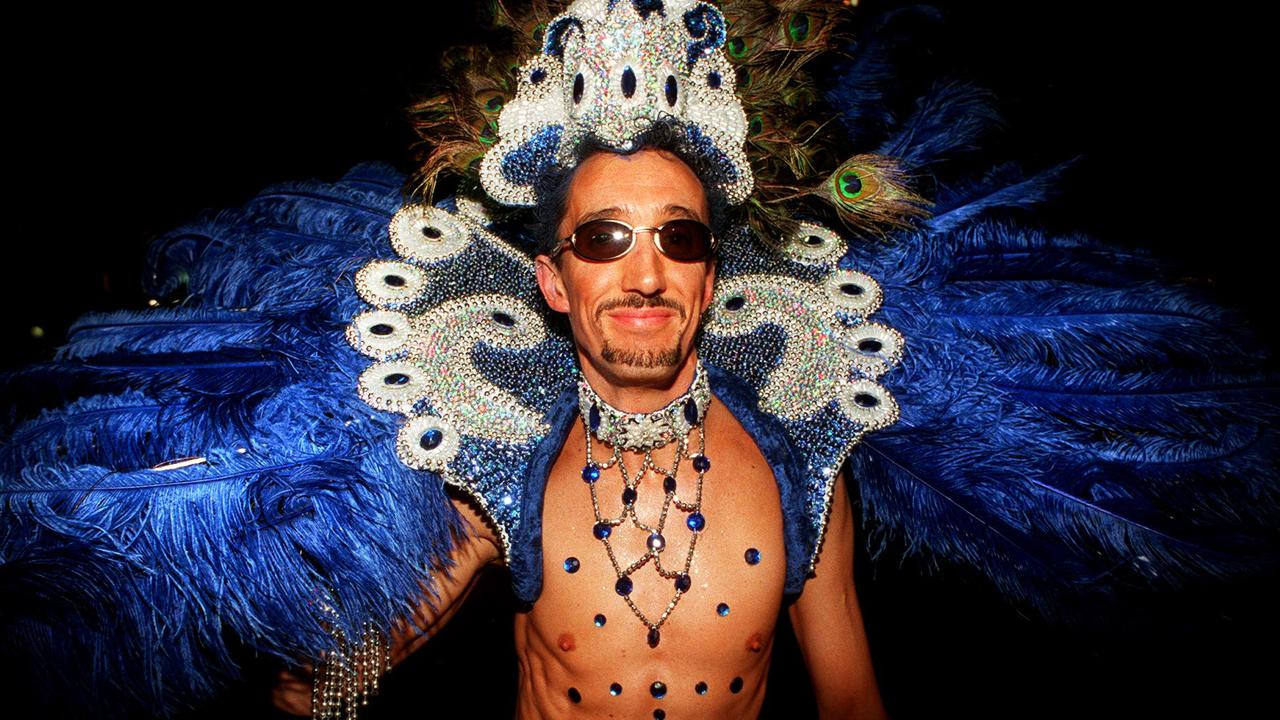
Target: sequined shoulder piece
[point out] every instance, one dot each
(461, 348)
(791, 321)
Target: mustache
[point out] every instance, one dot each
(639, 301)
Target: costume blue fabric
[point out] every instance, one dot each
(1073, 423)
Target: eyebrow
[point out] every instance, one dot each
(669, 210)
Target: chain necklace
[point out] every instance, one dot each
(644, 433)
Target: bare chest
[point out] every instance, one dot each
(713, 590)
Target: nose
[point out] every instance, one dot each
(644, 270)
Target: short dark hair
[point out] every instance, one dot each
(553, 188)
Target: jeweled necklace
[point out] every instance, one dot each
(644, 433)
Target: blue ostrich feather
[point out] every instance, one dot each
(953, 117)
(161, 580)
(1072, 426)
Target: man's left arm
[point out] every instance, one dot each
(828, 625)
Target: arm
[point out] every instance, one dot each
(471, 553)
(828, 625)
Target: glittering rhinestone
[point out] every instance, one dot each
(658, 689)
(696, 522)
(574, 695)
(600, 620)
(691, 411)
(591, 473)
(381, 329)
(628, 496)
(701, 463)
(628, 82)
(700, 688)
(615, 689)
(736, 685)
(752, 556)
(602, 531)
(396, 379)
(623, 586)
(656, 542)
(654, 637)
(593, 418)
(571, 564)
(669, 484)
(431, 439)
(722, 609)
(683, 582)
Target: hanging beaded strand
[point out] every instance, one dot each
(656, 430)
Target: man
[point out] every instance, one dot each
(634, 322)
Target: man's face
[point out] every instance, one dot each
(634, 318)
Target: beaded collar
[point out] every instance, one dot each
(642, 432)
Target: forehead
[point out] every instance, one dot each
(637, 186)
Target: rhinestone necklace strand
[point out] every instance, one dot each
(656, 542)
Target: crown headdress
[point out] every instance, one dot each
(610, 70)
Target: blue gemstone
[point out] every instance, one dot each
(851, 289)
(659, 714)
(669, 485)
(395, 379)
(658, 689)
(722, 609)
(700, 688)
(600, 620)
(574, 695)
(615, 689)
(623, 586)
(381, 329)
(504, 319)
(691, 411)
(752, 556)
(628, 82)
(869, 345)
(736, 685)
(672, 89)
(578, 87)
(696, 522)
(393, 281)
(654, 637)
(593, 418)
(713, 80)
(571, 564)
(866, 400)
(735, 303)
(701, 463)
(628, 496)
(537, 76)
(591, 473)
(601, 531)
(431, 439)
(683, 582)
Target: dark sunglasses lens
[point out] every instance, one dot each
(601, 240)
(686, 240)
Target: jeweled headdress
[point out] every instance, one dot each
(732, 82)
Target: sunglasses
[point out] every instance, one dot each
(603, 240)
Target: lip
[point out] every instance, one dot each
(641, 317)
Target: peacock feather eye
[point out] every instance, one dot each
(798, 28)
(737, 47)
(757, 124)
(849, 185)
(491, 100)
(489, 135)
(743, 76)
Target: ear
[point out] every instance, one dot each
(551, 284)
(710, 289)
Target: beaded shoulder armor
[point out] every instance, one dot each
(466, 352)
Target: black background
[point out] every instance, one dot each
(117, 133)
